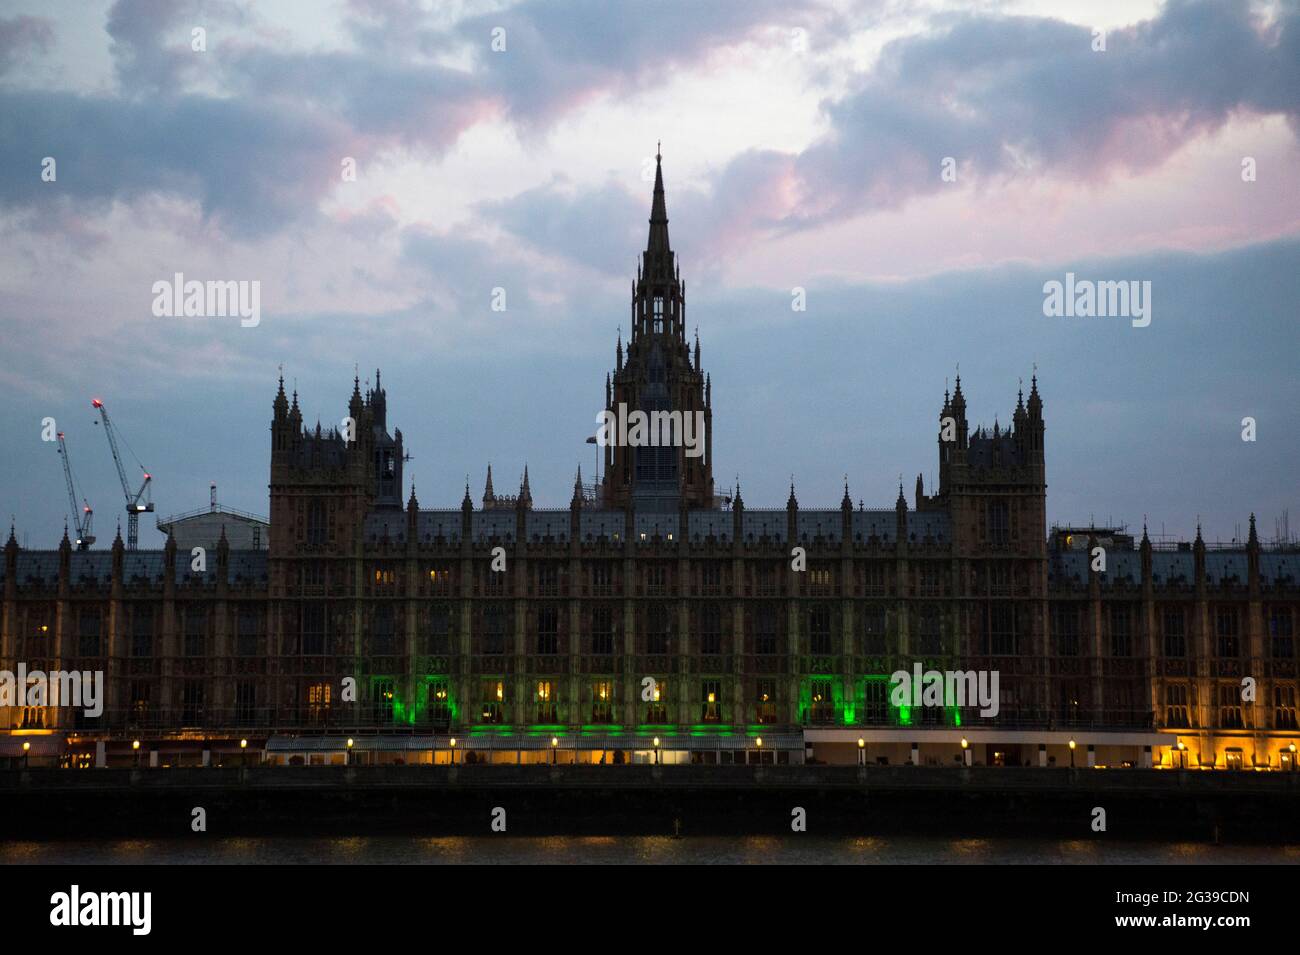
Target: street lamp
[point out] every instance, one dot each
(1182, 755)
(965, 751)
(453, 750)
(862, 751)
(758, 745)
(1072, 745)
(27, 748)
(349, 753)
(656, 742)
(135, 748)
(555, 745)
(1291, 750)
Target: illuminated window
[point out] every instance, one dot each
(546, 708)
(384, 701)
(439, 701)
(1284, 709)
(140, 701)
(494, 697)
(766, 702)
(821, 581)
(657, 709)
(602, 702)
(822, 709)
(1229, 706)
(318, 702)
(712, 709)
(1176, 711)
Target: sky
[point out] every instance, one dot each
(918, 168)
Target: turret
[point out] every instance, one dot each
(900, 516)
(525, 492)
(792, 517)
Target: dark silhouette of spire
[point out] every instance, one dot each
(281, 405)
(657, 243)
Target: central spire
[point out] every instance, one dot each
(657, 242)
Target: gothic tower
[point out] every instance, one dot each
(671, 463)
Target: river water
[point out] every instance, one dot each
(706, 850)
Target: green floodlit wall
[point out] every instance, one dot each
(409, 712)
(847, 710)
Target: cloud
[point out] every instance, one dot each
(1011, 99)
(1015, 96)
(562, 53)
(19, 36)
(254, 131)
(600, 228)
(250, 167)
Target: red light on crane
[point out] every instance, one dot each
(96, 403)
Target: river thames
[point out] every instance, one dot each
(641, 850)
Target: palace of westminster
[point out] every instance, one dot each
(656, 617)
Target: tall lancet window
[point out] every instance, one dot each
(659, 314)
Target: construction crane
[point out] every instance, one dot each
(84, 517)
(137, 503)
